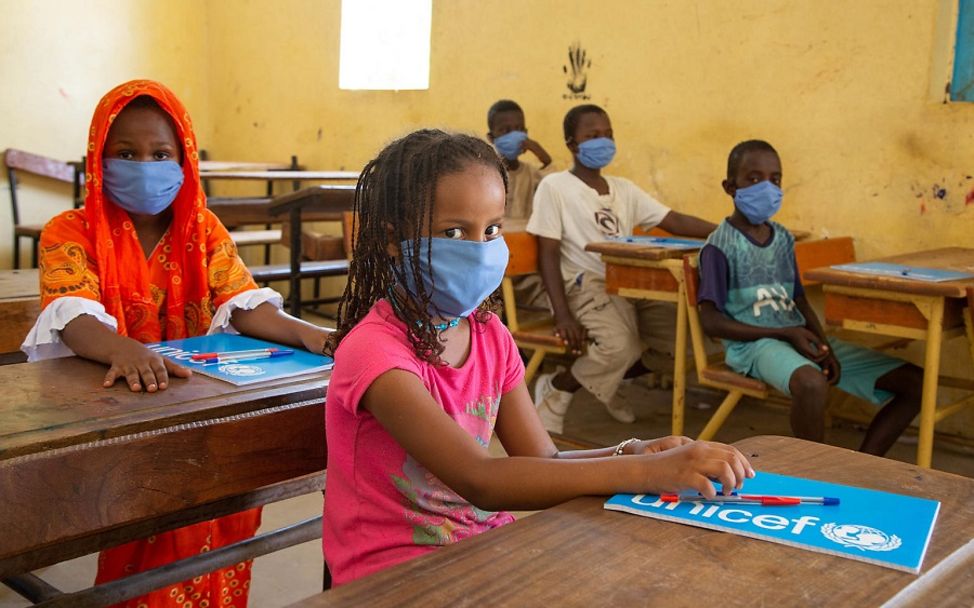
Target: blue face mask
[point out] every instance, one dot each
(596, 153)
(759, 202)
(509, 144)
(459, 274)
(145, 188)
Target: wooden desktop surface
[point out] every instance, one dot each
(578, 554)
(636, 251)
(78, 460)
(20, 303)
(948, 258)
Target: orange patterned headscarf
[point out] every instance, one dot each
(122, 270)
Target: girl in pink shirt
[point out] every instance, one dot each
(425, 374)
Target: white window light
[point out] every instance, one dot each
(385, 44)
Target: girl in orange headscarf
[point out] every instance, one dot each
(146, 261)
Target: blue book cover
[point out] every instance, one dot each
(891, 530)
(243, 372)
(930, 275)
(667, 242)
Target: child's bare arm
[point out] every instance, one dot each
(268, 322)
(404, 407)
(538, 150)
(567, 326)
(718, 325)
(686, 225)
(127, 358)
(521, 433)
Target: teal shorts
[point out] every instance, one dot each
(774, 361)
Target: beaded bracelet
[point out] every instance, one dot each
(622, 446)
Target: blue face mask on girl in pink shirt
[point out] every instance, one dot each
(458, 275)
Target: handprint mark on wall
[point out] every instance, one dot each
(577, 71)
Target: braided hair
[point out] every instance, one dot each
(394, 202)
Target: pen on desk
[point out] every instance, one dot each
(754, 499)
(234, 353)
(240, 358)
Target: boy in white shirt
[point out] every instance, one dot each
(571, 209)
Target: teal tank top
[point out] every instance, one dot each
(761, 281)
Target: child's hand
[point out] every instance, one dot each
(142, 367)
(571, 332)
(807, 343)
(654, 446)
(529, 145)
(693, 465)
(831, 369)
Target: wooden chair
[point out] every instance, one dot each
(714, 375)
(809, 254)
(537, 334)
(19, 161)
(816, 253)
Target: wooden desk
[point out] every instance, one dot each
(209, 166)
(243, 211)
(272, 176)
(326, 201)
(578, 554)
(20, 303)
(916, 310)
(634, 270)
(83, 467)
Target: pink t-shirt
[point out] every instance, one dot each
(381, 506)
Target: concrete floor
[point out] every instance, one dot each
(295, 573)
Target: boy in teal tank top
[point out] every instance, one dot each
(751, 297)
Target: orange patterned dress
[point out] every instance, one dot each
(94, 253)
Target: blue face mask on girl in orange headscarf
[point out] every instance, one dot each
(146, 188)
(458, 275)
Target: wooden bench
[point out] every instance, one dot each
(308, 270)
(17, 161)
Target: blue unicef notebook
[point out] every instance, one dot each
(668, 242)
(891, 530)
(243, 372)
(930, 275)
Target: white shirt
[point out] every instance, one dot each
(568, 210)
(44, 339)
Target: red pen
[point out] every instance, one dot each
(233, 353)
(754, 499)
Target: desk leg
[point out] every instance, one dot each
(680, 361)
(295, 282)
(931, 375)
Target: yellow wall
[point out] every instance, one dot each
(56, 61)
(841, 89)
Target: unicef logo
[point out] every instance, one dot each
(241, 370)
(863, 538)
